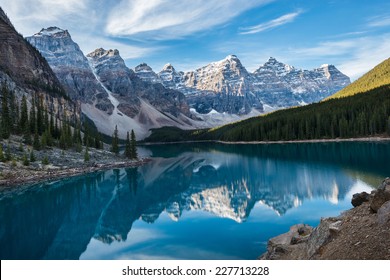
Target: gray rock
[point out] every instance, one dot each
(384, 213)
(321, 235)
(359, 198)
(381, 196)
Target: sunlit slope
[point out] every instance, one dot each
(377, 77)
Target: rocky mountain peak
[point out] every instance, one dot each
(100, 53)
(143, 67)
(168, 68)
(53, 31)
(274, 65)
(231, 57)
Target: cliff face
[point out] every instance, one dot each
(26, 72)
(71, 67)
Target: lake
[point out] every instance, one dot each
(192, 201)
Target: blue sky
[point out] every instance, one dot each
(353, 35)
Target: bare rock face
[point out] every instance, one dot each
(26, 72)
(384, 213)
(128, 88)
(71, 67)
(381, 196)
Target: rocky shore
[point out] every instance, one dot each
(60, 164)
(362, 233)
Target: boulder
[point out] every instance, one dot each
(384, 213)
(359, 198)
(381, 196)
(322, 234)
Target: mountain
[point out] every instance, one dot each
(26, 72)
(377, 77)
(71, 67)
(356, 115)
(138, 104)
(226, 86)
(281, 85)
(110, 93)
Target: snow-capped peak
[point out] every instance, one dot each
(231, 57)
(168, 67)
(51, 31)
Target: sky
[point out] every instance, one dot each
(353, 35)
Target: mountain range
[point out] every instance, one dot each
(226, 86)
(112, 94)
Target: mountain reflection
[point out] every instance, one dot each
(57, 220)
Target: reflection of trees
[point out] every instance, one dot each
(132, 179)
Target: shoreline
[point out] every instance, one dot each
(360, 233)
(41, 176)
(361, 139)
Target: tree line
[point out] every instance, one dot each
(42, 128)
(360, 115)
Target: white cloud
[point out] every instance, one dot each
(163, 19)
(83, 19)
(379, 21)
(90, 43)
(29, 17)
(287, 18)
(356, 56)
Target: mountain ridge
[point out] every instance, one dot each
(274, 85)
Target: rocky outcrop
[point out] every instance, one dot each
(380, 196)
(360, 233)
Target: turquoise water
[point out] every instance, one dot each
(192, 201)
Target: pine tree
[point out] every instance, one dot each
(51, 126)
(86, 155)
(24, 122)
(40, 117)
(8, 155)
(36, 142)
(45, 160)
(133, 146)
(2, 157)
(32, 156)
(86, 135)
(115, 142)
(14, 113)
(44, 140)
(128, 147)
(6, 122)
(26, 162)
(46, 122)
(33, 120)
